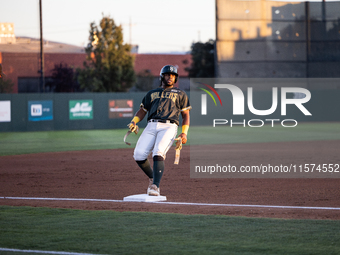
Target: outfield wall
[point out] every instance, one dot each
(67, 111)
(84, 111)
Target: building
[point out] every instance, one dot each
(154, 62)
(21, 62)
(273, 39)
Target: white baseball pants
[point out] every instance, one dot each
(156, 137)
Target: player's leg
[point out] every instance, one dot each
(165, 137)
(143, 148)
(158, 169)
(146, 167)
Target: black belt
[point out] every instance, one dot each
(162, 121)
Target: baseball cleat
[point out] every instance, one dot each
(150, 184)
(154, 190)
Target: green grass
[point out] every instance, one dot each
(13, 143)
(302, 132)
(109, 232)
(52, 141)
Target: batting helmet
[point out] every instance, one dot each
(168, 69)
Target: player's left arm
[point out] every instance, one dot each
(185, 125)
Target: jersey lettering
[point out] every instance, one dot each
(170, 95)
(154, 96)
(166, 104)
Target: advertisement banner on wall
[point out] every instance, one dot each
(81, 109)
(121, 108)
(40, 110)
(5, 111)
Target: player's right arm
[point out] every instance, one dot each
(140, 114)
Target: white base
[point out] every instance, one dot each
(144, 198)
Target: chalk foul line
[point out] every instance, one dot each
(172, 203)
(45, 252)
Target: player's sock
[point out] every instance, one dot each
(158, 168)
(145, 166)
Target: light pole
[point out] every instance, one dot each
(42, 78)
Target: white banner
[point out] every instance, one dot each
(5, 111)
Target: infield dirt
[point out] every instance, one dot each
(113, 174)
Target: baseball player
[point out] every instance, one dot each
(163, 105)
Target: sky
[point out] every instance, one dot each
(157, 26)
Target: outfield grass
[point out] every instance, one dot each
(50, 141)
(13, 143)
(109, 232)
(303, 132)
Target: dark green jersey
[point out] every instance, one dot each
(165, 104)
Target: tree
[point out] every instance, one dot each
(109, 65)
(6, 85)
(203, 60)
(63, 79)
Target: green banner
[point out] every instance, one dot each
(81, 109)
